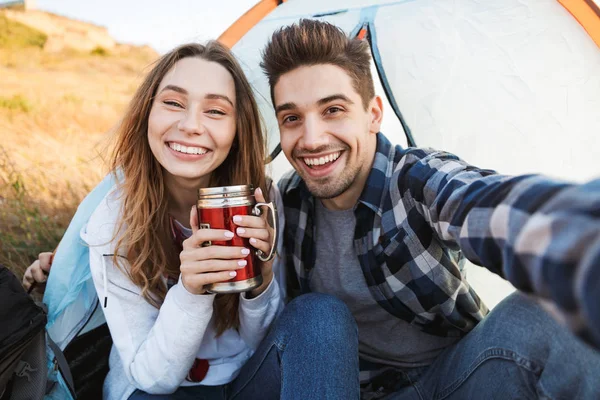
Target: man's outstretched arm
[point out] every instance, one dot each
(540, 234)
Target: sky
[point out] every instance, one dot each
(161, 24)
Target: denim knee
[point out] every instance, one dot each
(321, 316)
(519, 329)
(519, 324)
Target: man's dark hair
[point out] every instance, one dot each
(312, 42)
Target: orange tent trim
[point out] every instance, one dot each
(587, 13)
(240, 27)
(362, 34)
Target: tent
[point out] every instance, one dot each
(511, 85)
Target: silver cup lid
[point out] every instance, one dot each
(226, 191)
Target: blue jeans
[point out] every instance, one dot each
(517, 352)
(311, 352)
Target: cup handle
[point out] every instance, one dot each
(273, 210)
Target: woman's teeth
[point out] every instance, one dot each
(322, 160)
(187, 150)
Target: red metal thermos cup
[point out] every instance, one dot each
(216, 208)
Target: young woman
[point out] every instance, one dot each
(194, 123)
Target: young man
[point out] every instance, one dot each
(385, 229)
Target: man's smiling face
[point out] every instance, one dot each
(327, 133)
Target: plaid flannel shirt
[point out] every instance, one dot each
(422, 210)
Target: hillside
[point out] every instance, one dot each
(58, 104)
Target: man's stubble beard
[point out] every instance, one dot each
(329, 187)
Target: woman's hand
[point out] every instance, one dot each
(37, 273)
(200, 265)
(260, 234)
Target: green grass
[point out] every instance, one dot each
(99, 51)
(15, 103)
(14, 35)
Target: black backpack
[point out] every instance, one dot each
(22, 341)
(23, 350)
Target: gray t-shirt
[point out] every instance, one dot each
(383, 338)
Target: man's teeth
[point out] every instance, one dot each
(187, 150)
(322, 160)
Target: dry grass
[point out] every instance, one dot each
(56, 111)
(16, 35)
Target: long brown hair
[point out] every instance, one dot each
(143, 233)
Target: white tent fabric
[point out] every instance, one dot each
(511, 85)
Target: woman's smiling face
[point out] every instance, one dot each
(192, 122)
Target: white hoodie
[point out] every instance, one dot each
(154, 349)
